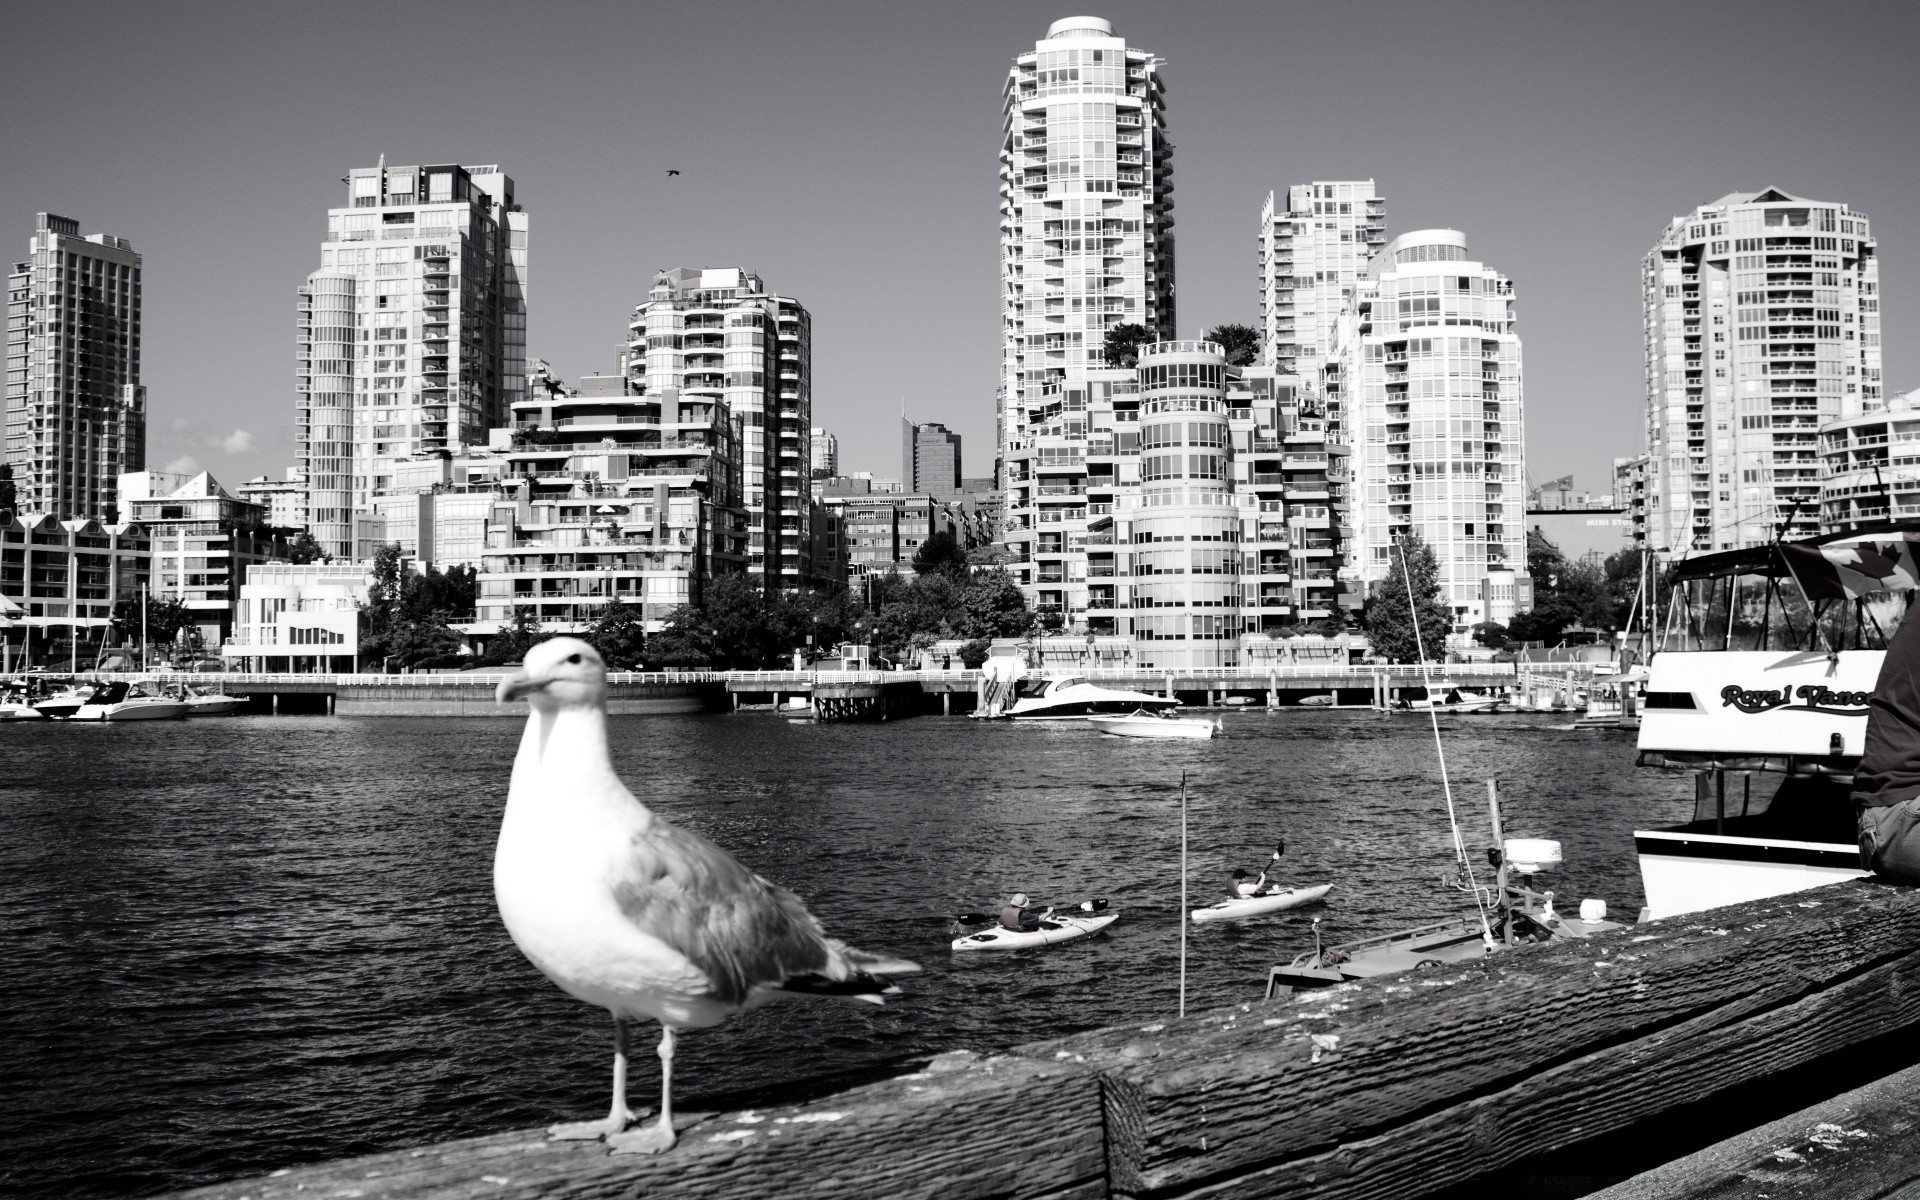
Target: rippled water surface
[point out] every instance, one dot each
(231, 946)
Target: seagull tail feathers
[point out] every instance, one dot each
(864, 977)
(876, 964)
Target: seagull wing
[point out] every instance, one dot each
(741, 931)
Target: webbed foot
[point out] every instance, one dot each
(651, 1139)
(591, 1131)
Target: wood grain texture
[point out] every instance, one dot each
(1860, 1145)
(1412, 1083)
(934, 1134)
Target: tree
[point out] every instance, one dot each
(1123, 344)
(619, 633)
(941, 554)
(1241, 342)
(1492, 635)
(166, 617)
(303, 549)
(521, 633)
(1391, 619)
(408, 616)
(974, 653)
(992, 606)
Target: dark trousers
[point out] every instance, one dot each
(1890, 841)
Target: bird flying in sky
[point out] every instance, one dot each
(627, 912)
(672, 172)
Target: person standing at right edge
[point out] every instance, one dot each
(1886, 786)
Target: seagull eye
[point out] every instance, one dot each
(573, 658)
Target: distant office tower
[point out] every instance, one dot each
(1086, 204)
(76, 415)
(720, 335)
(823, 454)
(1313, 249)
(1429, 367)
(1761, 322)
(930, 459)
(413, 332)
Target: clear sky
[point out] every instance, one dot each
(847, 153)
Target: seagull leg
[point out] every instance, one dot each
(659, 1135)
(617, 1118)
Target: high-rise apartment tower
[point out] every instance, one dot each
(412, 334)
(1086, 204)
(76, 413)
(1761, 323)
(718, 334)
(1314, 248)
(1429, 370)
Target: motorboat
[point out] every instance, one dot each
(62, 704)
(142, 701)
(1144, 724)
(1072, 697)
(1267, 900)
(201, 703)
(1446, 698)
(16, 703)
(1090, 918)
(1769, 710)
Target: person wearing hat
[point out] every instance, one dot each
(1239, 889)
(1016, 917)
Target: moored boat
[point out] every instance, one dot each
(16, 703)
(1147, 725)
(141, 701)
(205, 703)
(1072, 697)
(62, 704)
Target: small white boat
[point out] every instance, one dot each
(206, 704)
(1146, 725)
(1453, 700)
(131, 702)
(1272, 900)
(1090, 918)
(64, 703)
(16, 704)
(1074, 697)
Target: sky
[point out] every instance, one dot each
(848, 154)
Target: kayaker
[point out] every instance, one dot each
(1239, 889)
(1016, 917)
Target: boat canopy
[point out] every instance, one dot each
(1840, 566)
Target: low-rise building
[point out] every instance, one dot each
(61, 579)
(203, 541)
(298, 618)
(879, 532)
(620, 495)
(284, 499)
(437, 505)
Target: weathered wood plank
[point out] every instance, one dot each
(1407, 1085)
(936, 1133)
(1860, 1145)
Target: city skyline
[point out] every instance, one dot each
(225, 219)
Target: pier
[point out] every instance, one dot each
(1761, 1049)
(850, 695)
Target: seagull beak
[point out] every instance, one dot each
(517, 685)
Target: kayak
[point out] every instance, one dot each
(1057, 928)
(1254, 906)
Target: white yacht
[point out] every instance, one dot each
(1074, 697)
(1771, 658)
(202, 703)
(142, 701)
(16, 703)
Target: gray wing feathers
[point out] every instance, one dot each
(741, 931)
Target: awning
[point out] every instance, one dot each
(1837, 566)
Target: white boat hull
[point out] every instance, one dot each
(1693, 872)
(1064, 929)
(1154, 727)
(1255, 906)
(168, 710)
(20, 712)
(214, 706)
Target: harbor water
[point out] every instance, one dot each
(237, 945)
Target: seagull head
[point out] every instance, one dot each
(558, 673)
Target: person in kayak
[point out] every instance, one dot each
(1239, 889)
(1016, 917)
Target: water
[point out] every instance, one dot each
(236, 945)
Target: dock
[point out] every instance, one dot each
(844, 695)
(1763, 1049)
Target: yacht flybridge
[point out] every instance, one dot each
(1767, 662)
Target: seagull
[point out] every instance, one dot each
(629, 913)
(671, 171)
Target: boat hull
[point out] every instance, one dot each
(20, 712)
(1064, 929)
(1693, 872)
(1153, 727)
(168, 711)
(1255, 906)
(214, 706)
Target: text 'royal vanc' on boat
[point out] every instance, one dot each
(1766, 661)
